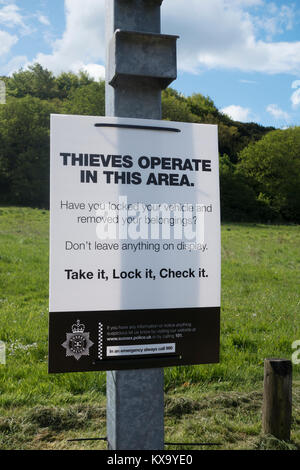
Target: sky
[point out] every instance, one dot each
(243, 54)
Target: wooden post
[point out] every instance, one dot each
(277, 400)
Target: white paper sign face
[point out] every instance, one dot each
(135, 215)
(134, 244)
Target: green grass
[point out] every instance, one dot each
(216, 403)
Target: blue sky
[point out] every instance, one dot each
(244, 54)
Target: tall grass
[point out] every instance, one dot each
(260, 317)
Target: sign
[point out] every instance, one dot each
(134, 244)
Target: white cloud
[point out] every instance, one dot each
(249, 82)
(223, 34)
(296, 84)
(82, 46)
(237, 113)
(281, 20)
(15, 64)
(94, 70)
(277, 113)
(10, 17)
(7, 41)
(43, 19)
(213, 34)
(245, 3)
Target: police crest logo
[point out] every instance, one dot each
(78, 342)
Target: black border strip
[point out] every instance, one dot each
(135, 126)
(199, 347)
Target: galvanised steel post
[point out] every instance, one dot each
(140, 63)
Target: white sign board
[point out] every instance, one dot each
(135, 227)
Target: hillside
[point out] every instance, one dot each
(246, 195)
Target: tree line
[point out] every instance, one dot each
(259, 166)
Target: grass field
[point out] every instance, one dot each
(217, 403)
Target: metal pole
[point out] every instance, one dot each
(139, 64)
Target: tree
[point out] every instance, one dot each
(202, 106)
(87, 100)
(238, 199)
(36, 81)
(24, 151)
(34, 93)
(68, 82)
(175, 107)
(272, 165)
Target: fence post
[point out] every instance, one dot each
(277, 399)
